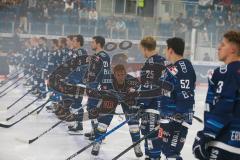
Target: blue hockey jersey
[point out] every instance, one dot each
(222, 120)
(150, 74)
(181, 101)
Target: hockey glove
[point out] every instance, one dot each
(200, 146)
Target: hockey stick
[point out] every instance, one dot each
(198, 119)
(12, 84)
(144, 137)
(86, 115)
(43, 105)
(20, 98)
(10, 78)
(3, 83)
(10, 125)
(10, 90)
(135, 143)
(55, 125)
(100, 138)
(23, 109)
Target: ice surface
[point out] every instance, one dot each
(57, 144)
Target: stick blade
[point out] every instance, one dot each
(21, 140)
(32, 140)
(5, 125)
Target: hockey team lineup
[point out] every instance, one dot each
(157, 99)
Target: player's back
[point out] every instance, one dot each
(186, 77)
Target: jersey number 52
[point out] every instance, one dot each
(184, 83)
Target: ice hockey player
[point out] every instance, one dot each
(98, 77)
(220, 137)
(176, 109)
(123, 82)
(76, 77)
(150, 74)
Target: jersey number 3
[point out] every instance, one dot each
(219, 87)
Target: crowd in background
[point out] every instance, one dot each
(209, 16)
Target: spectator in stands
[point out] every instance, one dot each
(220, 23)
(218, 4)
(197, 22)
(69, 6)
(205, 3)
(189, 22)
(180, 18)
(181, 30)
(32, 4)
(83, 16)
(120, 27)
(140, 7)
(205, 33)
(93, 17)
(16, 40)
(208, 16)
(23, 16)
(77, 6)
(44, 13)
(110, 25)
(229, 17)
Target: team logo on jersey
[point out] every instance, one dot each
(223, 69)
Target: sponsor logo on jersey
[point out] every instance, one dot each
(235, 136)
(173, 70)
